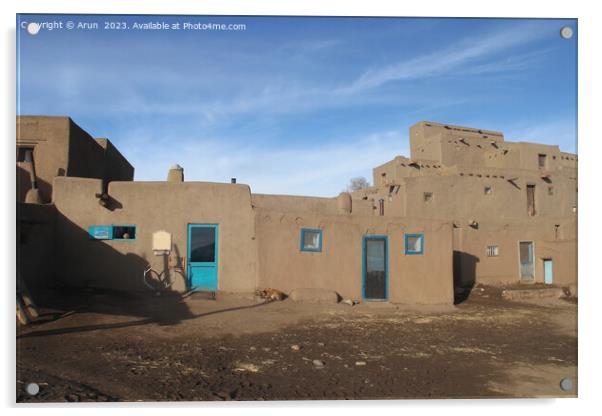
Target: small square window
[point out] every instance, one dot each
(428, 196)
(487, 190)
(550, 190)
(541, 160)
(311, 239)
(492, 251)
(414, 243)
(124, 232)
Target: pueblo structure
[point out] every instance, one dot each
(466, 207)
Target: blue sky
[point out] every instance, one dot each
(297, 105)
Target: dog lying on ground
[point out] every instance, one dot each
(270, 294)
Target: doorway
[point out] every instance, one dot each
(548, 271)
(202, 257)
(527, 269)
(374, 268)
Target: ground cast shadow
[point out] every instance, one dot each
(162, 321)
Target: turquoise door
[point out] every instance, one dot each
(548, 276)
(202, 257)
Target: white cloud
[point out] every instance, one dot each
(451, 58)
(214, 95)
(320, 169)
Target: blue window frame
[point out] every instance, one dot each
(100, 232)
(112, 232)
(311, 239)
(414, 243)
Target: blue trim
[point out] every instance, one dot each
(100, 232)
(410, 252)
(375, 237)
(213, 264)
(105, 232)
(302, 235)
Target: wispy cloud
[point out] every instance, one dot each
(318, 170)
(512, 63)
(454, 57)
(213, 95)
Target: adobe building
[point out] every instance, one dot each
(513, 205)
(427, 223)
(56, 146)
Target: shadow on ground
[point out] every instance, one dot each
(166, 310)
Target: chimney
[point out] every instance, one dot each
(175, 174)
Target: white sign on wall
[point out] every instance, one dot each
(161, 242)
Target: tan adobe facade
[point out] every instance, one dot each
(495, 193)
(59, 147)
(391, 242)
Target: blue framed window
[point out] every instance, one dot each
(112, 232)
(311, 239)
(414, 243)
(100, 232)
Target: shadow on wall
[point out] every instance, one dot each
(85, 275)
(35, 245)
(24, 185)
(465, 270)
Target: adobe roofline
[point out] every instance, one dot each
(459, 129)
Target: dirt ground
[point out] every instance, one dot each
(116, 347)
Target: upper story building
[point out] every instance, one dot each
(48, 147)
(467, 174)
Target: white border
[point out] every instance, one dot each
(589, 176)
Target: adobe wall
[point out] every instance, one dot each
(459, 194)
(479, 152)
(35, 245)
(564, 258)
(428, 139)
(471, 148)
(50, 137)
(463, 196)
(62, 148)
(117, 168)
(23, 181)
(396, 170)
(413, 279)
(470, 250)
(294, 203)
(152, 206)
(86, 156)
